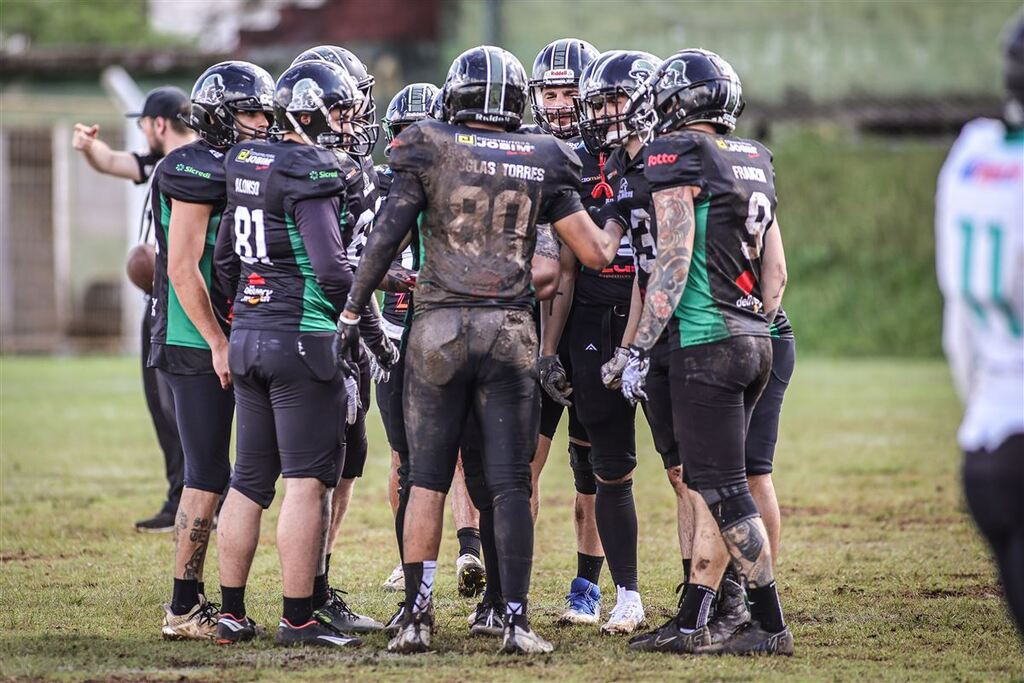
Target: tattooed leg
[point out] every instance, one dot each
(748, 545)
(193, 528)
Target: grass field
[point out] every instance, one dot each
(882, 576)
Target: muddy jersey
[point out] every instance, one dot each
(277, 288)
(484, 192)
(362, 201)
(632, 192)
(397, 305)
(192, 173)
(613, 284)
(734, 207)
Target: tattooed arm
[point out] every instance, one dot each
(673, 209)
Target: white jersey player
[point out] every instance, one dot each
(979, 225)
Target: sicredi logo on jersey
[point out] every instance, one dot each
(511, 146)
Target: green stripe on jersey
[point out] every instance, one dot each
(697, 316)
(180, 330)
(318, 314)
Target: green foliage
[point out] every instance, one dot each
(881, 573)
(66, 23)
(857, 220)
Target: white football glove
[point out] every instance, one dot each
(634, 375)
(611, 372)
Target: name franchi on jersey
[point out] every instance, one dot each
(749, 173)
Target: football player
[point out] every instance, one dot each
(362, 202)
(555, 84)
(714, 201)
(482, 188)
(979, 225)
(164, 130)
(230, 101)
(412, 103)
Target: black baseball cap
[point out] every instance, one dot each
(166, 101)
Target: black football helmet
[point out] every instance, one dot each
(411, 104)
(694, 86)
(437, 110)
(559, 64)
(223, 90)
(317, 88)
(347, 60)
(1013, 72)
(605, 88)
(486, 84)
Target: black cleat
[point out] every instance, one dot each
(731, 612)
(313, 632)
(160, 523)
(231, 629)
(488, 619)
(754, 640)
(668, 638)
(341, 616)
(414, 633)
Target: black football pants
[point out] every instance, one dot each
(160, 403)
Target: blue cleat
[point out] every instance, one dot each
(582, 604)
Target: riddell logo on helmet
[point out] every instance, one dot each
(661, 159)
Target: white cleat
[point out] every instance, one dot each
(396, 582)
(471, 574)
(627, 615)
(523, 641)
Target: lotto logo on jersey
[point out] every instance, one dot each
(661, 159)
(737, 146)
(508, 146)
(992, 172)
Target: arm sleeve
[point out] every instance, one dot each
(563, 186)
(226, 265)
(146, 163)
(674, 161)
(317, 221)
(405, 201)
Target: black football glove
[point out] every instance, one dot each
(345, 346)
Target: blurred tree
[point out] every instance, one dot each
(67, 23)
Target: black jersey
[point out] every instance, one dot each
(362, 202)
(397, 305)
(613, 284)
(734, 208)
(633, 194)
(192, 173)
(484, 193)
(277, 288)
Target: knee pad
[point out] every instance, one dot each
(730, 505)
(582, 470)
(614, 468)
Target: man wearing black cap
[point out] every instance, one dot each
(164, 132)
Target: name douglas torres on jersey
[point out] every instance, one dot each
(514, 171)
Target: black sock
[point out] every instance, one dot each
(589, 566)
(298, 611)
(492, 591)
(185, 596)
(321, 593)
(403, 502)
(201, 587)
(695, 606)
(327, 565)
(687, 563)
(413, 579)
(766, 609)
(233, 601)
(469, 541)
(615, 511)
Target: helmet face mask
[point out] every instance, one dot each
(366, 118)
(607, 117)
(321, 103)
(556, 71)
(224, 90)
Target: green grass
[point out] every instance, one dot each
(882, 575)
